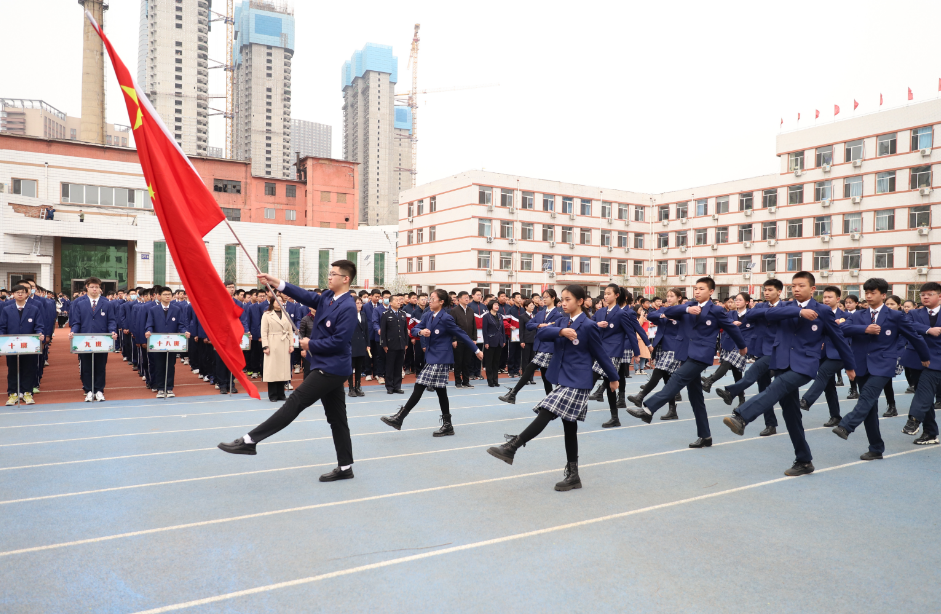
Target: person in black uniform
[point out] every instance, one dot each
(464, 317)
(358, 344)
(494, 342)
(393, 337)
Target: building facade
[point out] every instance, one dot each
(311, 139)
(853, 199)
(262, 52)
(173, 68)
(376, 133)
(40, 119)
(292, 229)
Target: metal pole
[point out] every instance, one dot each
(18, 393)
(230, 383)
(94, 397)
(166, 374)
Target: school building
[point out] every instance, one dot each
(853, 199)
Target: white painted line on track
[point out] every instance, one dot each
(484, 543)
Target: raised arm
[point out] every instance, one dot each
(728, 326)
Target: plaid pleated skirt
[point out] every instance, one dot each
(665, 360)
(434, 376)
(567, 403)
(733, 358)
(542, 359)
(627, 356)
(597, 368)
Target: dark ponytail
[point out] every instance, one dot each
(444, 297)
(578, 292)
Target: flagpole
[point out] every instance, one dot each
(257, 270)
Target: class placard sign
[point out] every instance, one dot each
(246, 342)
(20, 344)
(167, 342)
(91, 343)
(297, 341)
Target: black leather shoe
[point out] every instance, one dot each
(852, 395)
(507, 451)
(910, 390)
(446, 427)
(352, 393)
(359, 392)
(868, 456)
(388, 391)
(768, 431)
(337, 474)
(509, 397)
(890, 411)
(833, 421)
(805, 405)
(238, 447)
(671, 414)
(937, 405)
(597, 396)
(842, 432)
(724, 395)
(640, 413)
(612, 422)
(398, 391)
(468, 386)
(570, 479)
(839, 381)
(706, 384)
(702, 442)
(396, 420)
(735, 423)
(799, 468)
(911, 427)
(637, 400)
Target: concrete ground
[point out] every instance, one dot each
(128, 506)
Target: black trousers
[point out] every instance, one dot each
(492, 364)
(379, 360)
(513, 357)
(101, 363)
(526, 356)
(319, 386)
(223, 375)
(257, 363)
(164, 369)
(354, 379)
(394, 359)
(27, 369)
(276, 391)
(419, 363)
(462, 364)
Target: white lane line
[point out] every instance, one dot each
(484, 543)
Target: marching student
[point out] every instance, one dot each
(665, 344)
(255, 311)
(830, 365)
(875, 332)
(358, 346)
(438, 328)
(615, 325)
(494, 342)
(93, 315)
(331, 361)
(729, 358)
(851, 304)
(577, 344)
(928, 380)
(546, 317)
(20, 317)
(370, 304)
(700, 322)
(393, 336)
(895, 304)
(802, 325)
(165, 317)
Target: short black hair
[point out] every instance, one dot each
(501, 293)
(876, 284)
(490, 305)
(836, 291)
(347, 267)
(90, 280)
(19, 287)
(805, 275)
(777, 284)
(363, 293)
(931, 286)
(384, 292)
(462, 293)
(851, 297)
(411, 294)
(476, 290)
(375, 291)
(710, 282)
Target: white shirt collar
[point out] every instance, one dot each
(575, 317)
(770, 304)
(804, 304)
(932, 312)
(703, 305)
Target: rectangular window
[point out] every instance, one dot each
(432, 204)
(420, 207)
(584, 266)
(483, 260)
(432, 233)
(663, 240)
(682, 210)
(568, 204)
(702, 236)
(679, 267)
(409, 237)
(722, 265)
(638, 213)
(233, 215)
(769, 198)
(411, 209)
(795, 161)
(106, 196)
(483, 227)
(379, 269)
(722, 234)
(852, 186)
(269, 213)
(821, 261)
(528, 200)
(885, 182)
(484, 195)
(919, 217)
(290, 191)
(409, 266)
(605, 209)
(548, 202)
(769, 230)
(885, 219)
(91, 195)
(605, 238)
(120, 196)
(682, 238)
(885, 144)
(795, 229)
(663, 213)
(420, 235)
(548, 232)
(663, 267)
(702, 206)
(745, 201)
(699, 266)
(769, 263)
(744, 262)
(638, 240)
(160, 263)
(229, 272)
(822, 191)
(294, 265)
(506, 198)
(262, 260)
(584, 206)
(921, 138)
(621, 267)
(795, 194)
(324, 196)
(568, 234)
(506, 261)
(606, 266)
(566, 266)
(852, 222)
(271, 189)
(824, 155)
(638, 268)
(918, 255)
(526, 231)
(290, 215)
(745, 233)
(526, 262)
(722, 204)
(622, 239)
(920, 177)
(794, 262)
(431, 263)
(584, 236)
(884, 257)
(852, 258)
(853, 150)
(25, 187)
(547, 264)
(821, 225)
(506, 229)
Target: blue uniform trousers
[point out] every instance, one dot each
(759, 371)
(826, 383)
(687, 376)
(785, 391)
(922, 408)
(866, 411)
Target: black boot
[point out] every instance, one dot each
(741, 399)
(446, 428)
(507, 451)
(570, 478)
(509, 397)
(679, 397)
(396, 420)
(598, 395)
(890, 412)
(707, 383)
(359, 391)
(620, 402)
(352, 392)
(613, 421)
(638, 399)
(671, 413)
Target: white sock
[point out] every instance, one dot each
(648, 411)
(247, 439)
(342, 468)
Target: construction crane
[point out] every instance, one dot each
(413, 102)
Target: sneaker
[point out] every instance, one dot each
(206, 378)
(170, 394)
(100, 396)
(382, 381)
(927, 440)
(89, 397)
(125, 360)
(288, 386)
(143, 378)
(217, 386)
(196, 371)
(911, 426)
(369, 378)
(852, 395)
(36, 390)
(161, 395)
(28, 398)
(12, 399)
(799, 469)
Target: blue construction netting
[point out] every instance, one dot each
(371, 57)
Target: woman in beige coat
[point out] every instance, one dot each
(277, 343)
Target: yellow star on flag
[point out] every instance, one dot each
(130, 91)
(150, 190)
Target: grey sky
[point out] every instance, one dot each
(637, 96)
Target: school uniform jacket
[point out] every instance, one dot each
(12, 323)
(359, 341)
(629, 323)
(765, 331)
(83, 320)
(571, 362)
(748, 333)
(618, 331)
(667, 330)
(526, 334)
(696, 339)
(828, 350)
(921, 322)
(329, 348)
(369, 311)
(878, 354)
(439, 350)
(543, 316)
(173, 321)
(494, 330)
(798, 341)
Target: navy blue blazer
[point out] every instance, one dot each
(697, 337)
(494, 334)
(921, 323)
(766, 331)
(748, 333)
(543, 316)
(101, 321)
(878, 354)
(613, 337)
(631, 328)
(667, 330)
(11, 323)
(571, 363)
(173, 321)
(444, 328)
(360, 339)
(798, 344)
(828, 350)
(329, 349)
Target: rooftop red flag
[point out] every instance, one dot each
(880, 100)
(816, 113)
(798, 117)
(178, 194)
(782, 121)
(910, 96)
(836, 110)
(855, 104)
(939, 85)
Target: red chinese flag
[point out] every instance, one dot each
(836, 110)
(178, 194)
(910, 96)
(939, 85)
(855, 104)
(798, 117)
(880, 100)
(782, 121)
(816, 113)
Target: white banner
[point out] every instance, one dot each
(20, 344)
(91, 343)
(246, 342)
(167, 342)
